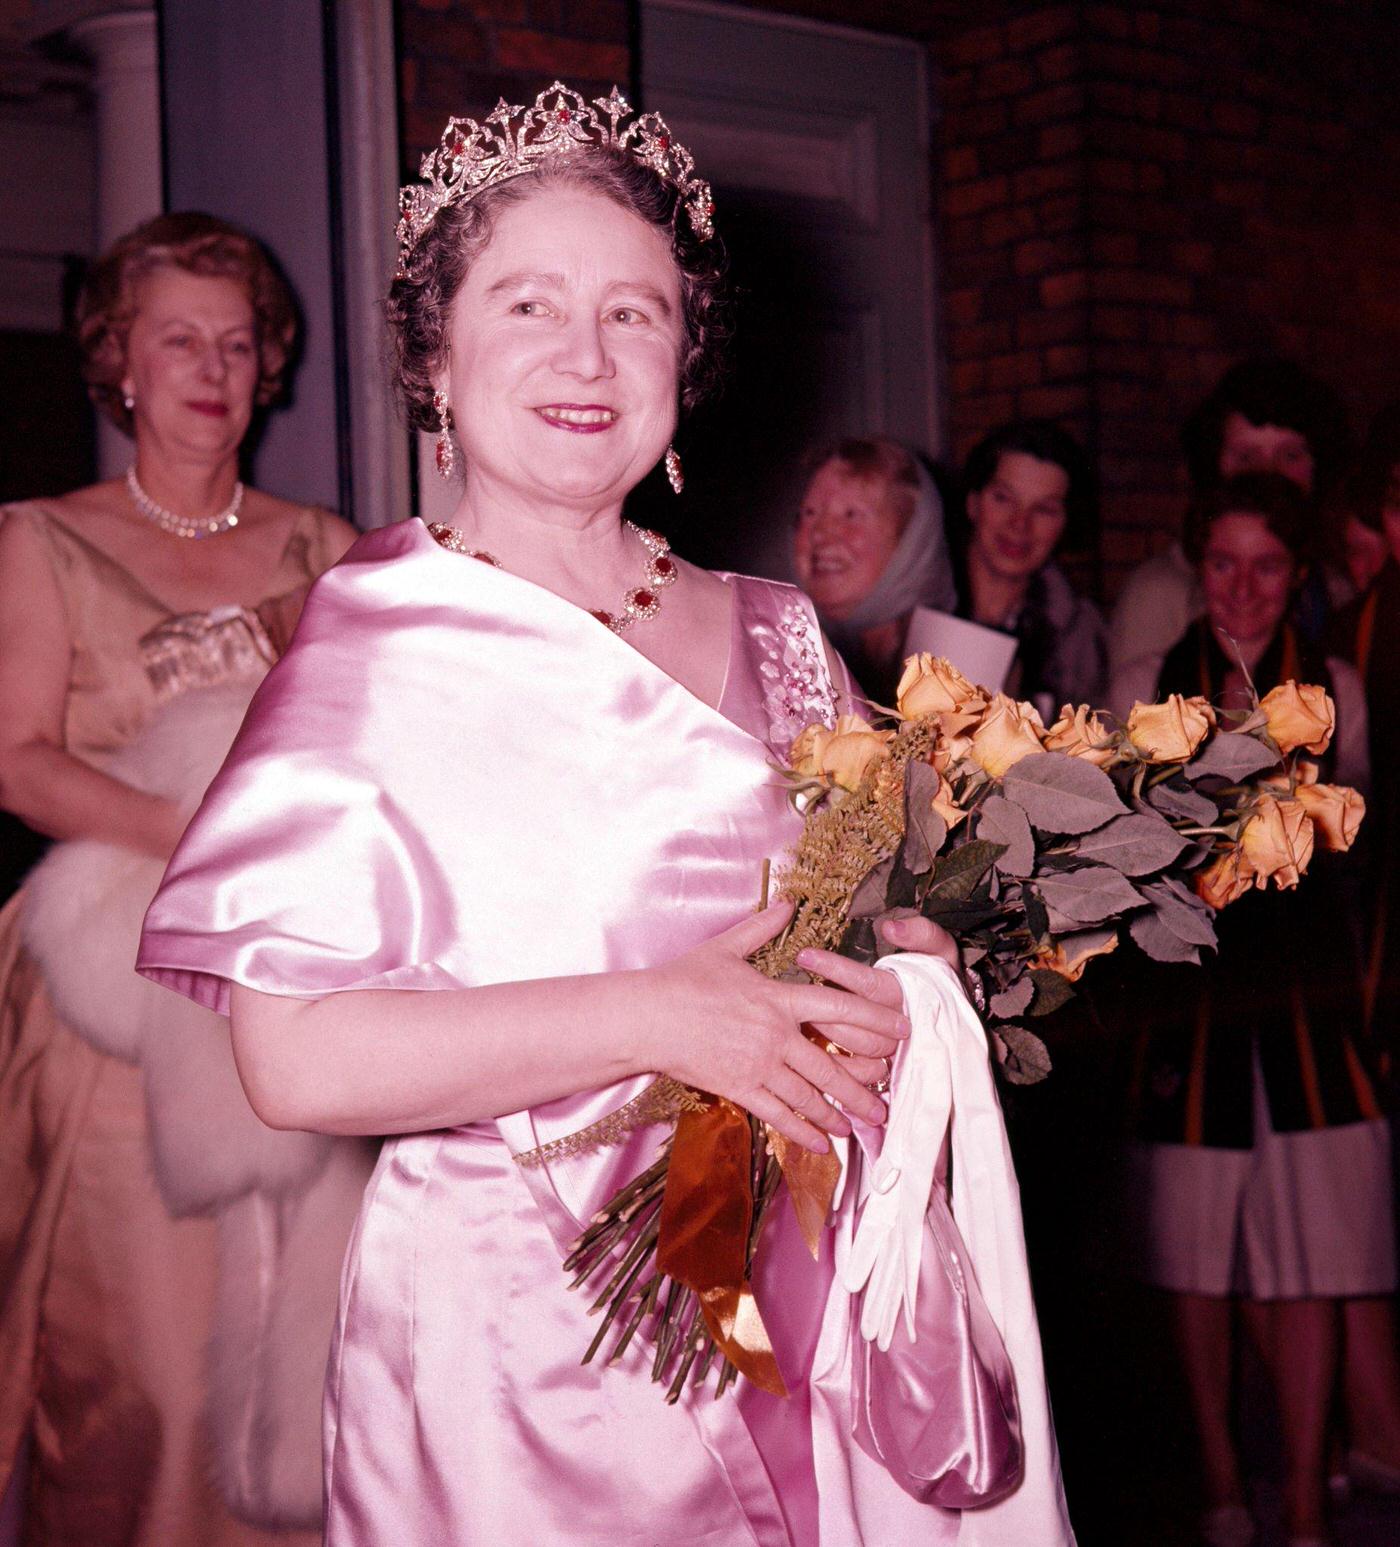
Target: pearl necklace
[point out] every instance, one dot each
(638, 604)
(180, 526)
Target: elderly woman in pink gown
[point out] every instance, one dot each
(483, 865)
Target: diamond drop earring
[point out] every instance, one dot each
(674, 475)
(445, 455)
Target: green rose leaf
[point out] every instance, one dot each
(1088, 895)
(1232, 755)
(1062, 794)
(1184, 803)
(1024, 1058)
(924, 830)
(1136, 844)
(1159, 942)
(1181, 911)
(1013, 1000)
(1037, 917)
(1051, 991)
(956, 876)
(998, 821)
(869, 897)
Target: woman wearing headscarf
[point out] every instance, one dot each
(869, 548)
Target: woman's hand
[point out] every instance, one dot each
(728, 1029)
(919, 935)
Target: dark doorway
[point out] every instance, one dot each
(815, 140)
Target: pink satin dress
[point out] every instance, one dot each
(455, 778)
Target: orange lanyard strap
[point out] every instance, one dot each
(1366, 631)
(1288, 672)
(1288, 669)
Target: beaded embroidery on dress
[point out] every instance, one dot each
(204, 649)
(797, 687)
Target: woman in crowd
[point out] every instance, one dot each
(869, 548)
(483, 865)
(1359, 553)
(1265, 415)
(117, 602)
(1028, 490)
(1367, 633)
(1264, 1166)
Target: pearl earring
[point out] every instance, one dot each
(674, 475)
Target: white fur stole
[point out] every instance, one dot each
(284, 1202)
(84, 905)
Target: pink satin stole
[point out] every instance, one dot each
(456, 778)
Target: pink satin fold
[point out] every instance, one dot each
(455, 778)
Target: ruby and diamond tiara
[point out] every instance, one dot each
(512, 141)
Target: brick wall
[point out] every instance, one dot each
(1012, 185)
(461, 56)
(1130, 196)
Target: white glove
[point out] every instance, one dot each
(884, 1256)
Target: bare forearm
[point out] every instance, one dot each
(389, 1061)
(60, 796)
(400, 1061)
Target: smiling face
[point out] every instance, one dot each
(1265, 448)
(847, 529)
(1248, 575)
(192, 362)
(1019, 517)
(565, 347)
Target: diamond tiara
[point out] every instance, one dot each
(512, 141)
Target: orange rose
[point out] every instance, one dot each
(1225, 879)
(1008, 732)
(1278, 841)
(1081, 733)
(944, 804)
(1072, 962)
(1170, 732)
(1335, 810)
(948, 750)
(807, 751)
(932, 686)
(840, 756)
(1299, 716)
(855, 744)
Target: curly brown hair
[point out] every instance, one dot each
(420, 303)
(199, 244)
(1280, 504)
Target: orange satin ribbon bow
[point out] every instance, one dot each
(706, 1215)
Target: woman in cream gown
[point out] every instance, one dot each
(127, 654)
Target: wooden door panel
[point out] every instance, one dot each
(815, 142)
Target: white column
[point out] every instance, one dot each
(126, 80)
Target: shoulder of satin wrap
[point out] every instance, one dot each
(454, 777)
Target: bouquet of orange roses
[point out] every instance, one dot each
(1040, 848)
